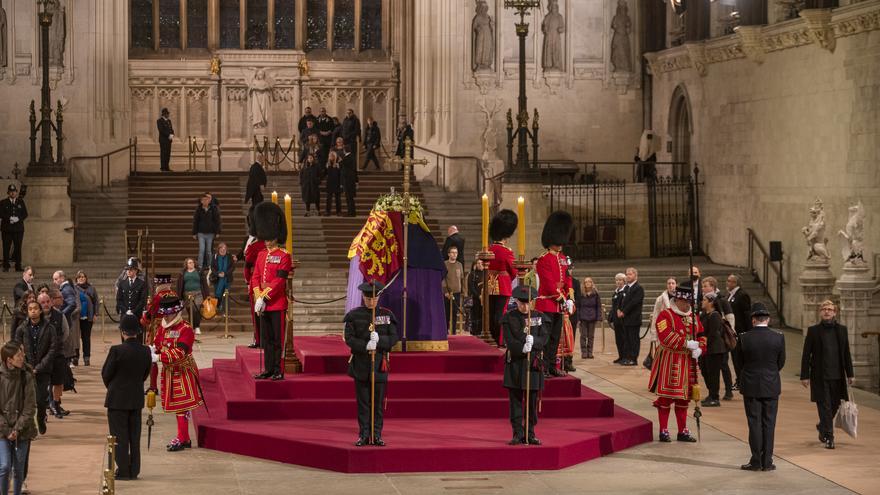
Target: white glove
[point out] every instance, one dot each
(696, 353)
(371, 345)
(530, 339)
(13, 219)
(259, 305)
(374, 337)
(692, 344)
(527, 348)
(153, 356)
(569, 306)
(170, 137)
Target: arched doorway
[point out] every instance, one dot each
(680, 130)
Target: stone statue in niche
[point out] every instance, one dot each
(854, 233)
(259, 85)
(483, 30)
(3, 49)
(57, 33)
(553, 27)
(814, 233)
(621, 52)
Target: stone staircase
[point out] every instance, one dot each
(461, 209)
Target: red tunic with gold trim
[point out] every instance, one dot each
(501, 270)
(554, 283)
(180, 391)
(674, 371)
(269, 279)
(251, 251)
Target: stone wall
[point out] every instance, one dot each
(780, 115)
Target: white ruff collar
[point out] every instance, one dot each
(677, 311)
(174, 321)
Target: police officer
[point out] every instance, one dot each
(370, 330)
(12, 214)
(524, 349)
(131, 293)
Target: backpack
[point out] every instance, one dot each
(728, 335)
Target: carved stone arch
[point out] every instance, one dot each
(681, 129)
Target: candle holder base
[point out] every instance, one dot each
(485, 256)
(292, 364)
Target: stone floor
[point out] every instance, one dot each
(68, 460)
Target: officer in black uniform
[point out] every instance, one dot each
(519, 344)
(131, 293)
(364, 335)
(12, 214)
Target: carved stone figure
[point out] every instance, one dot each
(814, 233)
(483, 29)
(259, 96)
(57, 33)
(621, 53)
(553, 27)
(854, 233)
(3, 49)
(489, 134)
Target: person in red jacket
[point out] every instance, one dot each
(501, 269)
(151, 318)
(269, 286)
(555, 296)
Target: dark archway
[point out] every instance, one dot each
(681, 129)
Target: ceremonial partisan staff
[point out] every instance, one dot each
(151, 403)
(373, 373)
(528, 360)
(695, 388)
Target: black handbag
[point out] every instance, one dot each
(649, 359)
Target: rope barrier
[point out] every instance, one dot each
(316, 303)
(107, 312)
(6, 309)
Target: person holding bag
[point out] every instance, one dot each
(18, 403)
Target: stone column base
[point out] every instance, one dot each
(48, 230)
(817, 283)
(856, 289)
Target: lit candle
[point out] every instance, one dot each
(521, 227)
(485, 222)
(275, 197)
(288, 215)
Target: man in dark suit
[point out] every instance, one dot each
(760, 356)
(453, 238)
(825, 363)
(166, 135)
(12, 214)
(348, 169)
(615, 322)
(404, 131)
(630, 313)
(127, 366)
(24, 284)
(372, 142)
(741, 305)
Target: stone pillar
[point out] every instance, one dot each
(856, 289)
(537, 210)
(48, 220)
(817, 282)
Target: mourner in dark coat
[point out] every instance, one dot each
(349, 177)
(711, 361)
(365, 336)
(126, 368)
(616, 322)
(372, 142)
(40, 346)
(827, 369)
(255, 183)
(525, 333)
(351, 128)
(453, 238)
(307, 116)
(24, 284)
(13, 212)
(630, 312)
(131, 292)
(760, 355)
(166, 135)
(404, 131)
(310, 185)
(334, 183)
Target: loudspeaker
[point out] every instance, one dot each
(775, 251)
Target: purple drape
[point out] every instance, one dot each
(425, 314)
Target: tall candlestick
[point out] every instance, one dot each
(275, 197)
(521, 227)
(485, 222)
(288, 215)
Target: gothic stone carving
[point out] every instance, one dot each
(483, 31)
(854, 233)
(57, 33)
(621, 51)
(814, 233)
(553, 27)
(819, 27)
(259, 84)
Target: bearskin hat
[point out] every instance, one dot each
(269, 222)
(557, 229)
(503, 225)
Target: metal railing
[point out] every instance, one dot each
(763, 276)
(440, 161)
(589, 172)
(193, 152)
(104, 162)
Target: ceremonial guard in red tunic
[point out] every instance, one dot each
(252, 249)
(674, 372)
(172, 346)
(269, 286)
(555, 296)
(501, 269)
(151, 317)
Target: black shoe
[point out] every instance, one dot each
(276, 377)
(516, 441)
(55, 412)
(534, 441)
(569, 367)
(41, 425)
(771, 467)
(263, 376)
(829, 443)
(664, 437)
(617, 361)
(750, 467)
(253, 345)
(686, 437)
(187, 444)
(735, 386)
(361, 442)
(121, 478)
(175, 446)
(728, 395)
(378, 442)
(710, 403)
(557, 372)
(822, 437)
(629, 362)
(86, 362)
(64, 412)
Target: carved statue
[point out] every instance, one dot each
(854, 233)
(489, 134)
(304, 67)
(621, 53)
(57, 33)
(553, 27)
(3, 49)
(259, 96)
(215, 65)
(483, 29)
(814, 233)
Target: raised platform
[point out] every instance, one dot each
(445, 412)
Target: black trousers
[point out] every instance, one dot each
(476, 317)
(619, 340)
(761, 416)
(333, 197)
(271, 331)
(631, 341)
(496, 311)
(42, 393)
(164, 154)
(12, 242)
(349, 200)
(828, 405)
(371, 157)
(452, 312)
(517, 398)
(125, 425)
(725, 373)
(362, 392)
(552, 347)
(85, 330)
(711, 367)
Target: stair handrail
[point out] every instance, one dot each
(440, 170)
(763, 277)
(104, 161)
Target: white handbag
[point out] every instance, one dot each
(847, 418)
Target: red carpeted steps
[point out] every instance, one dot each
(446, 411)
